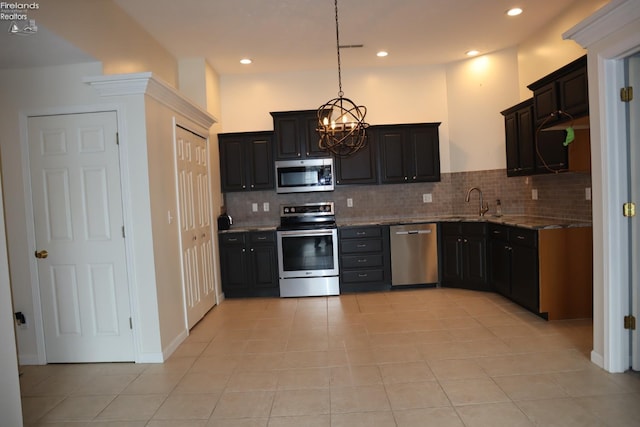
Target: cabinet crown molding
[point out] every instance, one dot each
(147, 84)
(604, 22)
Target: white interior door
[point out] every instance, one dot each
(633, 73)
(194, 211)
(77, 204)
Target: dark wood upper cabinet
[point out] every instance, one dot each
(520, 138)
(295, 135)
(566, 90)
(246, 161)
(408, 152)
(360, 167)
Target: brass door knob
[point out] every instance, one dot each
(42, 254)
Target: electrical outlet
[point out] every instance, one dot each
(254, 207)
(427, 198)
(587, 193)
(265, 206)
(534, 194)
(349, 202)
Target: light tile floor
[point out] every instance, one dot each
(426, 357)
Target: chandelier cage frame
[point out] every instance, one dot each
(341, 124)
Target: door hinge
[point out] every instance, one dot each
(626, 94)
(123, 236)
(117, 138)
(130, 323)
(630, 322)
(629, 209)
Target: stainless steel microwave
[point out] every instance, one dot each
(303, 176)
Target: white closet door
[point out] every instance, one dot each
(194, 210)
(75, 183)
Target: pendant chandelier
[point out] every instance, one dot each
(341, 122)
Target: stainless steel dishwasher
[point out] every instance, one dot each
(414, 254)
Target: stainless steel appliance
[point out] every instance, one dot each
(302, 176)
(414, 254)
(308, 250)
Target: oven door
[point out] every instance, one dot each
(308, 253)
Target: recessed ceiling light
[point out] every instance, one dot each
(382, 53)
(246, 61)
(514, 11)
(472, 52)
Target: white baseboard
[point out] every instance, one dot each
(597, 359)
(174, 344)
(29, 359)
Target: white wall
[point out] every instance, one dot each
(477, 90)
(546, 51)
(10, 406)
(57, 90)
(465, 97)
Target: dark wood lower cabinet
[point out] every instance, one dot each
(365, 258)
(464, 255)
(514, 264)
(249, 264)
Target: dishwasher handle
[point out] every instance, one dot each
(413, 232)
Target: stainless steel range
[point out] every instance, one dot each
(308, 250)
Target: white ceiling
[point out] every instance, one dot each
(289, 35)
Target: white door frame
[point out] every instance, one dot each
(609, 35)
(119, 109)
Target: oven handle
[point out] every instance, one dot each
(300, 233)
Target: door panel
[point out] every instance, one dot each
(194, 210)
(633, 118)
(77, 203)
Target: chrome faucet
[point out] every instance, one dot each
(483, 207)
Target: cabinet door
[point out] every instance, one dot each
(526, 141)
(358, 168)
(392, 156)
(500, 254)
(287, 137)
(475, 262)
(524, 276)
(511, 140)
(551, 154)
(264, 266)
(309, 121)
(260, 162)
(424, 154)
(234, 267)
(451, 259)
(574, 92)
(545, 102)
(232, 163)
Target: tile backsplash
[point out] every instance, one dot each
(561, 196)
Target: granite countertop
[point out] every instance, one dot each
(532, 222)
(524, 221)
(247, 228)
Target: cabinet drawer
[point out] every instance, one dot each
(362, 276)
(498, 232)
(523, 237)
(450, 227)
(262, 237)
(233, 238)
(362, 261)
(361, 245)
(473, 228)
(360, 232)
